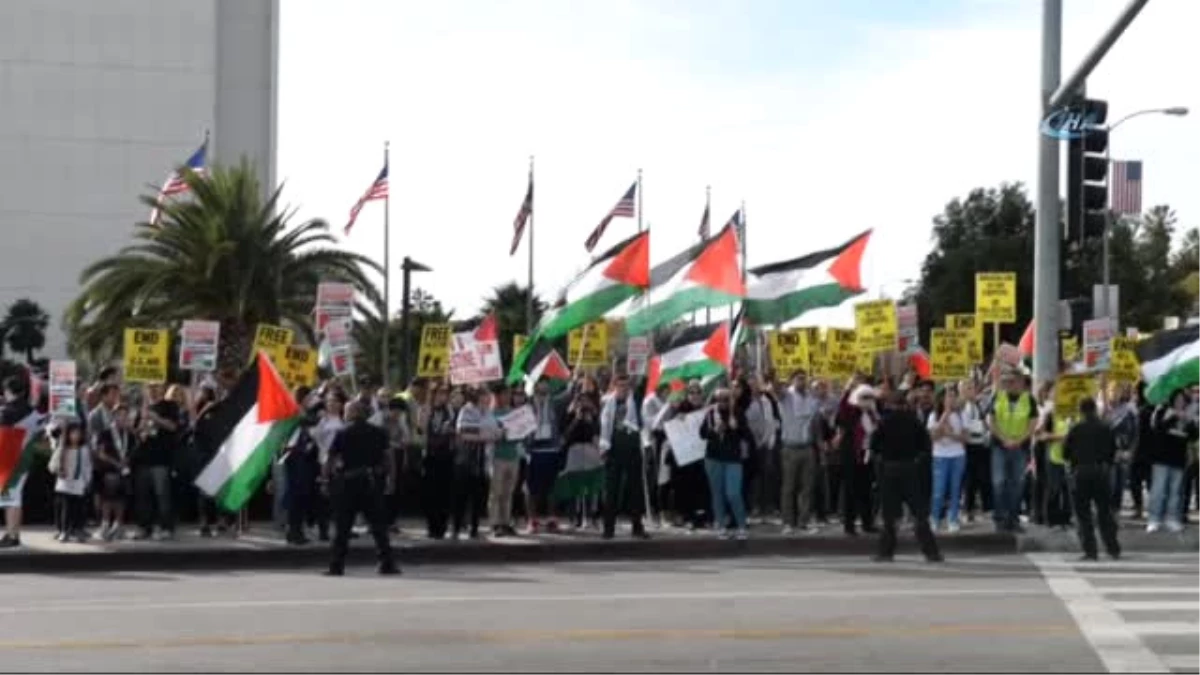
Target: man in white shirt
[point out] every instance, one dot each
(798, 411)
(620, 444)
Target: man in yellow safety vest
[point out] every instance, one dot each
(1012, 421)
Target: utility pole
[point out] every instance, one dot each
(1048, 233)
(407, 267)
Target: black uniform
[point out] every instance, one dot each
(1089, 450)
(359, 460)
(902, 445)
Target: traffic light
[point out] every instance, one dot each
(1087, 167)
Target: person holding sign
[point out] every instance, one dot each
(505, 453)
(729, 439)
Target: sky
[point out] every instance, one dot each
(824, 118)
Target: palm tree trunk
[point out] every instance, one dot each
(236, 340)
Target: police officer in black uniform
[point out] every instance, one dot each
(902, 447)
(360, 477)
(1089, 449)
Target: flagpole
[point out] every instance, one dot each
(708, 211)
(385, 375)
(742, 244)
(529, 307)
(639, 199)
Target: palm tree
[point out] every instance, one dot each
(510, 304)
(25, 327)
(223, 254)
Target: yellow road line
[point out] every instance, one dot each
(538, 635)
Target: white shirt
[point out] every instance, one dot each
(323, 435)
(948, 447)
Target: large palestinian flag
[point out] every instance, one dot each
(20, 427)
(780, 292)
(1170, 361)
(705, 275)
(253, 424)
(694, 353)
(548, 364)
(614, 277)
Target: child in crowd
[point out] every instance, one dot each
(71, 463)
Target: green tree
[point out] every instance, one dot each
(24, 327)
(368, 333)
(1185, 266)
(224, 254)
(510, 304)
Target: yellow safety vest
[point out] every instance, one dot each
(1012, 419)
(1054, 451)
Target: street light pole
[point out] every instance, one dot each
(1176, 111)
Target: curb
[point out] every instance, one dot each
(472, 552)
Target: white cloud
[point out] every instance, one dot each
(466, 91)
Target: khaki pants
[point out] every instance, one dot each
(504, 483)
(798, 475)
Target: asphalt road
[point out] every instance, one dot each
(1040, 613)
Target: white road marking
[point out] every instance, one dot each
(772, 594)
(1182, 661)
(1156, 605)
(1118, 647)
(1147, 590)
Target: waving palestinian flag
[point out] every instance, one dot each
(1170, 361)
(780, 292)
(20, 427)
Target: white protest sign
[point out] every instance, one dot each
(62, 388)
(519, 423)
(907, 335)
(1097, 344)
(474, 361)
(335, 300)
(638, 355)
(683, 433)
(198, 342)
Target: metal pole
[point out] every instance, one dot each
(405, 309)
(1104, 308)
(708, 211)
(1093, 58)
(529, 307)
(639, 199)
(387, 276)
(1047, 229)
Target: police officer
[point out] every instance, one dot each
(902, 446)
(360, 477)
(1089, 451)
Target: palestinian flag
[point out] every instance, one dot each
(582, 474)
(1170, 361)
(616, 276)
(693, 353)
(253, 422)
(548, 364)
(705, 275)
(20, 427)
(780, 292)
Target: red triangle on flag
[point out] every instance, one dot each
(846, 269)
(717, 265)
(12, 442)
(275, 402)
(556, 368)
(919, 361)
(717, 346)
(632, 265)
(1026, 343)
(653, 374)
(488, 330)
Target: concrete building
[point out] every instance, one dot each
(98, 101)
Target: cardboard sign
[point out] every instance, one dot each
(1069, 390)
(146, 354)
(908, 336)
(683, 432)
(519, 423)
(592, 351)
(335, 300)
(969, 322)
(1125, 365)
(638, 357)
(949, 357)
(272, 340)
(296, 365)
(1068, 348)
(198, 344)
(789, 352)
(62, 388)
(841, 353)
(433, 359)
(474, 361)
(996, 297)
(875, 325)
(1097, 344)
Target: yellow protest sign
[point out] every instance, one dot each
(996, 297)
(519, 341)
(864, 362)
(1069, 348)
(433, 358)
(1069, 390)
(272, 340)
(949, 357)
(296, 365)
(146, 354)
(875, 325)
(818, 362)
(1125, 366)
(841, 353)
(593, 351)
(969, 322)
(789, 352)
(812, 343)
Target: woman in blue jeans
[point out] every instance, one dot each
(728, 436)
(949, 436)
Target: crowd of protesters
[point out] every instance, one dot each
(798, 453)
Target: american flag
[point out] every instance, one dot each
(625, 208)
(522, 216)
(705, 228)
(738, 223)
(378, 190)
(176, 182)
(1127, 187)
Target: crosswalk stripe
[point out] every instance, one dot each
(1163, 628)
(1155, 605)
(1182, 661)
(1148, 590)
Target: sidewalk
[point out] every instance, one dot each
(262, 546)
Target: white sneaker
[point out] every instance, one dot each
(934, 524)
(724, 534)
(1175, 527)
(1152, 527)
(742, 534)
(812, 529)
(953, 527)
(788, 530)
